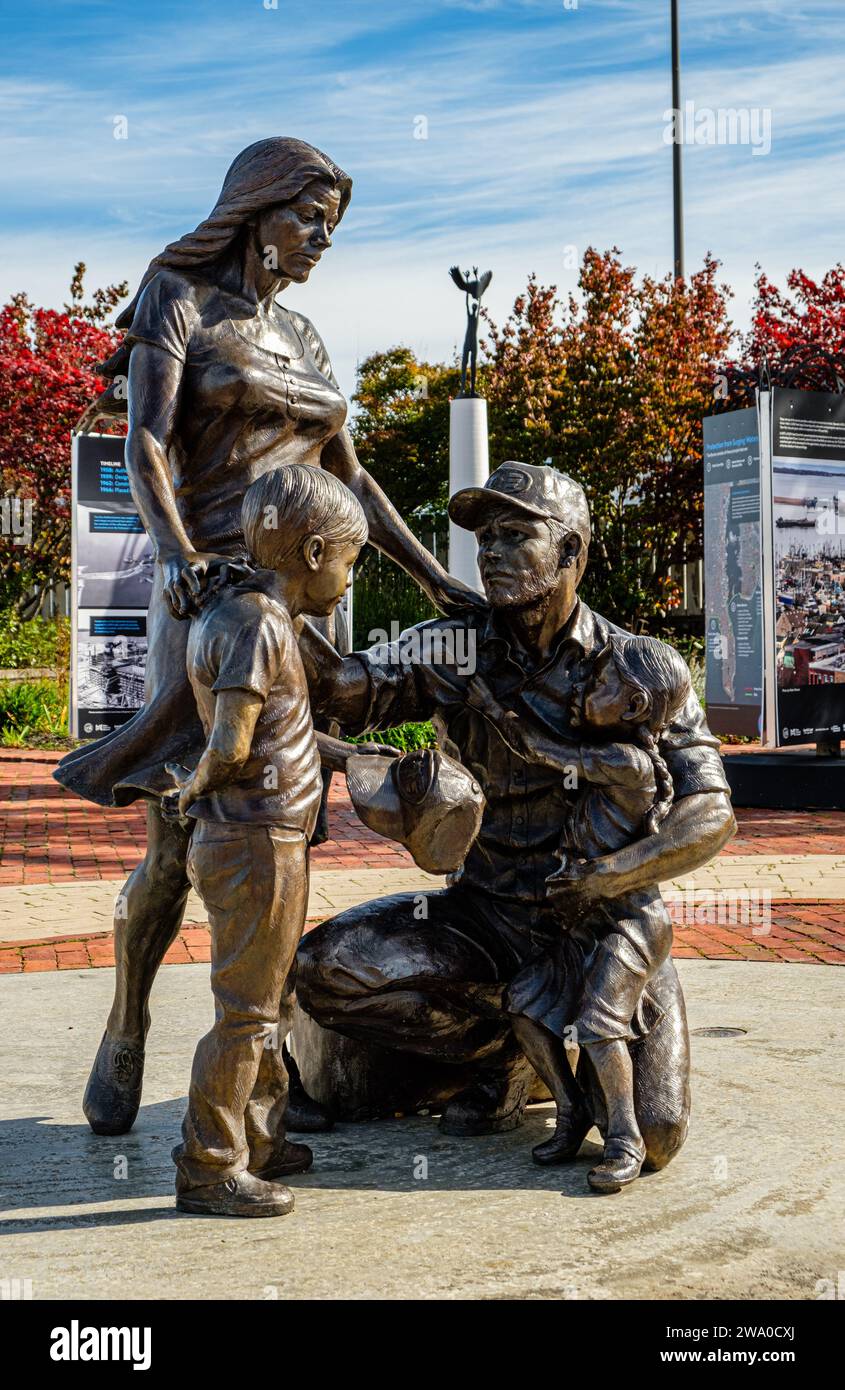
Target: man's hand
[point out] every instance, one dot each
(593, 879)
(569, 882)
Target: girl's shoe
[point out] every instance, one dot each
(570, 1132)
(621, 1164)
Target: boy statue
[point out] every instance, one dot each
(253, 800)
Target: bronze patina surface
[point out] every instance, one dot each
(554, 932)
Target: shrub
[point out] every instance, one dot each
(31, 707)
(33, 643)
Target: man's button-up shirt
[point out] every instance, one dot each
(425, 674)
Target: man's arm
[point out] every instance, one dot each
(695, 829)
(374, 689)
(235, 716)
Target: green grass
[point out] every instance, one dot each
(406, 737)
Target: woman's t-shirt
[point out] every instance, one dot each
(257, 391)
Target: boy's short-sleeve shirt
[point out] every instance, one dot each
(245, 640)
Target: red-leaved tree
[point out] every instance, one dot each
(611, 386)
(47, 379)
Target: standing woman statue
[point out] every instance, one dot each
(473, 289)
(222, 383)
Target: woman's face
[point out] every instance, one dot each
(293, 236)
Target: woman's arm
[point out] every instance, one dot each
(390, 534)
(155, 379)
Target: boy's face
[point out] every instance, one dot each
(331, 576)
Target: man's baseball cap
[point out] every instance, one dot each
(426, 800)
(524, 487)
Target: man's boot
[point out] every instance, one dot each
(493, 1104)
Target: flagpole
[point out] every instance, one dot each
(677, 145)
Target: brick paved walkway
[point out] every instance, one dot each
(61, 861)
(48, 835)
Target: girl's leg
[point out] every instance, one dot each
(624, 1149)
(548, 1057)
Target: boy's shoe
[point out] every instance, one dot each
(242, 1195)
(294, 1158)
(570, 1132)
(621, 1164)
(113, 1094)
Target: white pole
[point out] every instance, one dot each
(469, 466)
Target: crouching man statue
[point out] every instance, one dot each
(408, 999)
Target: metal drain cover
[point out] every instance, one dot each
(719, 1032)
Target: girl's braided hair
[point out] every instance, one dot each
(652, 668)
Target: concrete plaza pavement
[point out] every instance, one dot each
(750, 1209)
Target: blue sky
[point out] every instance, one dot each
(545, 135)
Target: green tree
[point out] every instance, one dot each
(401, 435)
(401, 427)
(611, 386)
(48, 376)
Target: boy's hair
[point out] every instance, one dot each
(287, 504)
(653, 668)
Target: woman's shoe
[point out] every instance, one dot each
(621, 1164)
(304, 1115)
(570, 1132)
(113, 1094)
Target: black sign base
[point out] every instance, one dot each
(786, 781)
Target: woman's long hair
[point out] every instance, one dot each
(652, 668)
(263, 175)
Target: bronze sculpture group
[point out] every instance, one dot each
(576, 771)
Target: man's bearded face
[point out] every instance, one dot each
(519, 559)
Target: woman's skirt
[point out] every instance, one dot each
(129, 762)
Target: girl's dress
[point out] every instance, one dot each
(590, 983)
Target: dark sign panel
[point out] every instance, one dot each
(732, 573)
(112, 580)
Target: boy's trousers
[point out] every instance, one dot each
(253, 880)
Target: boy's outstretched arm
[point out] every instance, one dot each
(235, 716)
